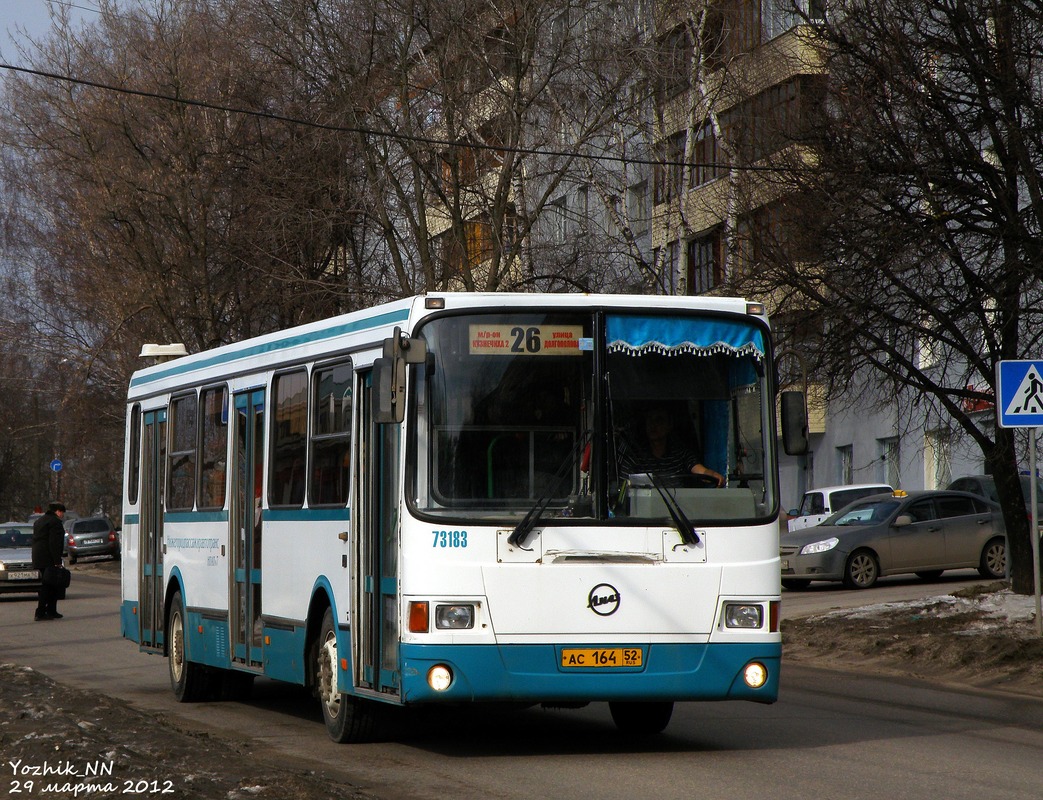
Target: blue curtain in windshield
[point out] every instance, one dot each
(669, 335)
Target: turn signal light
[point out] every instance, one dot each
(418, 616)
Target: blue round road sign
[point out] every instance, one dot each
(56, 465)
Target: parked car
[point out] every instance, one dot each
(924, 533)
(16, 558)
(817, 504)
(91, 536)
(985, 486)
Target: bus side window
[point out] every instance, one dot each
(331, 434)
(181, 470)
(134, 467)
(289, 439)
(215, 447)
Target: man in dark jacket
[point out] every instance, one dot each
(48, 543)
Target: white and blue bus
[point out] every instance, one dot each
(435, 501)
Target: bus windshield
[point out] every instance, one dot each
(601, 416)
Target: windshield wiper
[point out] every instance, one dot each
(524, 528)
(681, 523)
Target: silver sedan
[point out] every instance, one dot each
(17, 573)
(887, 534)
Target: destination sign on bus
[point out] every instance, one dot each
(528, 340)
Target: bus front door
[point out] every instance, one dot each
(245, 534)
(375, 634)
(150, 543)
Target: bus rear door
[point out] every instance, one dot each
(245, 534)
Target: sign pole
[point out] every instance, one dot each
(1019, 395)
(1035, 527)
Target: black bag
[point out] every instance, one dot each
(59, 577)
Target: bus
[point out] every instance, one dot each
(430, 502)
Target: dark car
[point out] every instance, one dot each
(887, 534)
(985, 486)
(17, 573)
(91, 536)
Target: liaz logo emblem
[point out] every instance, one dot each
(603, 600)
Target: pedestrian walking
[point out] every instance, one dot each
(48, 541)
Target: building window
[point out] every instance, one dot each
(675, 63)
(705, 269)
(557, 217)
(937, 458)
(705, 156)
(637, 208)
(669, 171)
(781, 115)
(479, 242)
(890, 460)
(845, 465)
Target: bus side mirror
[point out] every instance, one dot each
(389, 376)
(794, 423)
(387, 408)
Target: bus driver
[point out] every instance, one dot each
(662, 452)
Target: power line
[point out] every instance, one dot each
(530, 151)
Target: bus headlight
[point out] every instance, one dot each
(755, 675)
(439, 677)
(455, 617)
(743, 615)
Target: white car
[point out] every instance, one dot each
(817, 504)
(17, 573)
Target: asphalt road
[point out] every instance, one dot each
(832, 734)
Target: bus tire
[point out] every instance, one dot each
(348, 719)
(641, 718)
(190, 681)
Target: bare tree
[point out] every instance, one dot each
(472, 119)
(143, 204)
(911, 253)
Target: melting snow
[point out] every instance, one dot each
(1002, 606)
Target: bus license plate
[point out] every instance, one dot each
(601, 657)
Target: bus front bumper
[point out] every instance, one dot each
(536, 674)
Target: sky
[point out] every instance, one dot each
(33, 17)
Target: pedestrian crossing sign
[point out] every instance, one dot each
(1019, 389)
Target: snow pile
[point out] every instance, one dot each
(992, 610)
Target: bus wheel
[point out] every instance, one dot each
(641, 719)
(348, 719)
(189, 681)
